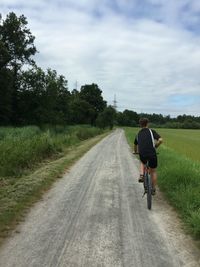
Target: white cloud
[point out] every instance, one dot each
(142, 61)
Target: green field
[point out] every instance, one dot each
(185, 142)
(179, 172)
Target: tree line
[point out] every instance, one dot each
(131, 118)
(31, 95)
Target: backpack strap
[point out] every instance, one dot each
(152, 138)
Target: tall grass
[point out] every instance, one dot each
(179, 178)
(21, 148)
(179, 173)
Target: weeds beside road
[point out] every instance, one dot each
(21, 148)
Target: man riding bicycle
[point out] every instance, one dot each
(145, 144)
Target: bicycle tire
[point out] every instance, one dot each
(149, 193)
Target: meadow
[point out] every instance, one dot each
(183, 141)
(179, 172)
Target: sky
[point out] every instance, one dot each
(146, 53)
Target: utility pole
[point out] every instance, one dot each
(115, 102)
(76, 85)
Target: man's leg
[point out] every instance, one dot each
(153, 166)
(141, 178)
(153, 176)
(141, 168)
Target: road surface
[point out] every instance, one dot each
(96, 216)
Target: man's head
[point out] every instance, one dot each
(143, 122)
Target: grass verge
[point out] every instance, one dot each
(17, 195)
(179, 179)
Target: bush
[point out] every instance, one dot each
(85, 133)
(24, 132)
(19, 153)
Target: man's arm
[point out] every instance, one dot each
(135, 148)
(158, 142)
(158, 138)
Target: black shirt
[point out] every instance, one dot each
(145, 143)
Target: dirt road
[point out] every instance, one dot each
(96, 216)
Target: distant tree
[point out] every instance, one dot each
(127, 118)
(119, 118)
(74, 94)
(181, 118)
(44, 97)
(81, 112)
(63, 100)
(32, 99)
(56, 97)
(190, 124)
(167, 118)
(106, 118)
(157, 118)
(93, 95)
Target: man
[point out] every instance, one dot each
(145, 144)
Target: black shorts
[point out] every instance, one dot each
(153, 162)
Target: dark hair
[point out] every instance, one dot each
(143, 122)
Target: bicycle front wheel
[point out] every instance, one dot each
(149, 188)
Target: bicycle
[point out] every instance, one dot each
(147, 183)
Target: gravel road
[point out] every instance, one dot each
(96, 216)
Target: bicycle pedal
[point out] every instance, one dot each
(144, 194)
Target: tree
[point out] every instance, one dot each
(16, 49)
(81, 112)
(128, 118)
(17, 40)
(31, 96)
(106, 118)
(5, 96)
(44, 97)
(92, 95)
(4, 54)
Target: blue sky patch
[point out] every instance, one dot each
(184, 99)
